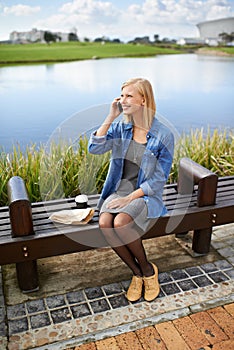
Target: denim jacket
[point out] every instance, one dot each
(155, 165)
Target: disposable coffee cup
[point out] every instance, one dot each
(81, 201)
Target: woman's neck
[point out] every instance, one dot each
(138, 121)
(139, 134)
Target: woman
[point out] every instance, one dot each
(131, 199)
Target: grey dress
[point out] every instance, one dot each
(137, 208)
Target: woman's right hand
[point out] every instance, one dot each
(114, 109)
(113, 114)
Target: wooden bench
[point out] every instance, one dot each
(199, 201)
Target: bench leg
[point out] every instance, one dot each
(181, 234)
(201, 240)
(27, 276)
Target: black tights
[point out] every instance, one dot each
(125, 240)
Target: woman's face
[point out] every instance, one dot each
(132, 101)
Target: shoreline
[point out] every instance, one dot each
(209, 52)
(200, 51)
(67, 60)
(53, 61)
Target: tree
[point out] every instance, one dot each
(226, 38)
(156, 38)
(48, 37)
(116, 41)
(72, 37)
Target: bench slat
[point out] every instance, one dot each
(65, 239)
(53, 239)
(176, 202)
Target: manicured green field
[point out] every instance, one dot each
(72, 51)
(59, 52)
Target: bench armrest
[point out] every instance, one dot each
(19, 208)
(192, 173)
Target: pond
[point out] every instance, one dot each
(191, 91)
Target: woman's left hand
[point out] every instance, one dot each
(119, 202)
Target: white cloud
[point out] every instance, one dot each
(90, 7)
(53, 22)
(93, 18)
(179, 11)
(21, 10)
(90, 11)
(217, 11)
(89, 16)
(175, 17)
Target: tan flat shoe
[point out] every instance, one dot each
(135, 289)
(152, 287)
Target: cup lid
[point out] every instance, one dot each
(82, 198)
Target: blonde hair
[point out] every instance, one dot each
(144, 87)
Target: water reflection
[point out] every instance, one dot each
(191, 91)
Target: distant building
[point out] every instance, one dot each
(31, 36)
(210, 30)
(36, 35)
(190, 41)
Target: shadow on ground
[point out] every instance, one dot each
(58, 275)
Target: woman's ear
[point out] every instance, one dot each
(143, 102)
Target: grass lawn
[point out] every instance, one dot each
(59, 52)
(72, 51)
(229, 50)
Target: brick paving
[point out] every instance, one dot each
(211, 329)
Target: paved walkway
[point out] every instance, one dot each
(212, 329)
(197, 295)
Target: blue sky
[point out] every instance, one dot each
(124, 19)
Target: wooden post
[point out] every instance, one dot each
(22, 225)
(201, 240)
(190, 174)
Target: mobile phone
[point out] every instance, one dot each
(120, 107)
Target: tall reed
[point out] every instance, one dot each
(65, 170)
(214, 151)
